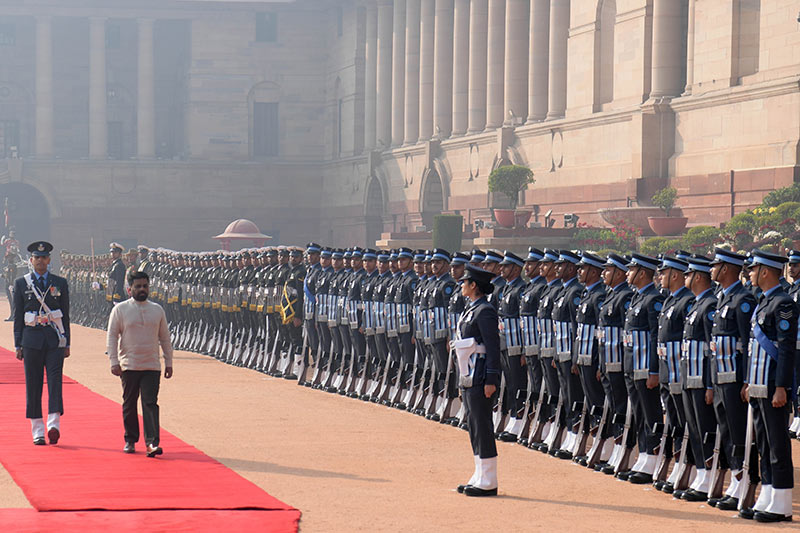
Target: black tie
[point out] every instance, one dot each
(41, 284)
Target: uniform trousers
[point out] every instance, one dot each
(36, 362)
(772, 438)
(646, 411)
(147, 383)
(553, 386)
(516, 383)
(592, 390)
(312, 337)
(479, 421)
(614, 386)
(571, 388)
(731, 414)
(701, 420)
(381, 347)
(677, 422)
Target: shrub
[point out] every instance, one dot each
(510, 180)
(661, 245)
(665, 199)
(702, 239)
(783, 195)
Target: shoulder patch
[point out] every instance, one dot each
(576, 300)
(414, 284)
(658, 306)
(689, 307)
(711, 315)
(745, 307)
(627, 304)
(783, 325)
(448, 290)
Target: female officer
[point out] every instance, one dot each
(478, 351)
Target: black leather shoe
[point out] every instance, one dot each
(475, 491)
(461, 488)
(507, 437)
(668, 488)
(640, 478)
(623, 476)
(129, 448)
(39, 442)
(747, 513)
(53, 435)
(581, 460)
(764, 516)
(152, 451)
(607, 470)
(714, 501)
(729, 503)
(658, 485)
(434, 417)
(400, 405)
(522, 441)
(678, 494)
(563, 454)
(693, 495)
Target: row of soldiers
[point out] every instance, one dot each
(688, 360)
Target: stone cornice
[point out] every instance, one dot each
(741, 93)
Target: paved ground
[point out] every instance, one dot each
(352, 466)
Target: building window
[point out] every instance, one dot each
(8, 35)
(9, 138)
(113, 36)
(265, 129)
(266, 27)
(115, 147)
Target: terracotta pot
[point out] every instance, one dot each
(667, 226)
(504, 217)
(522, 217)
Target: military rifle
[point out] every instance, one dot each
(302, 366)
(596, 451)
(583, 428)
(538, 423)
(665, 454)
(715, 488)
(445, 402)
(557, 429)
(684, 469)
(747, 487)
(625, 454)
(498, 419)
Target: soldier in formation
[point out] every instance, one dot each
(677, 371)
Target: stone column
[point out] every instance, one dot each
(426, 38)
(460, 66)
(370, 76)
(98, 127)
(383, 111)
(478, 21)
(690, 50)
(495, 63)
(398, 70)
(145, 111)
(557, 83)
(412, 72)
(515, 83)
(443, 69)
(44, 86)
(538, 59)
(666, 49)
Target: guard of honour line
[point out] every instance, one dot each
(677, 371)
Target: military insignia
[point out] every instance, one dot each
(689, 307)
(783, 325)
(448, 290)
(41, 247)
(576, 300)
(711, 315)
(785, 314)
(658, 306)
(744, 308)
(627, 305)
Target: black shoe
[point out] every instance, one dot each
(729, 503)
(9, 319)
(581, 460)
(693, 495)
(53, 435)
(563, 454)
(434, 417)
(507, 437)
(623, 476)
(747, 513)
(640, 478)
(678, 494)
(764, 516)
(39, 441)
(129, 448)
(714, 501)
(475, 491)
(668, 488)
(792, 435)
(522, 441)
(461, 488)
(659, 485)
(607, 470)
(400, 405)
(152, 451)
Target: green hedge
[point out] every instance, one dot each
(447, 232)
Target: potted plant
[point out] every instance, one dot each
(511, 180)
(666, 225)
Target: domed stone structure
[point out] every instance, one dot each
(241, 230)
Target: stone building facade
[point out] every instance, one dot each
(162, 120)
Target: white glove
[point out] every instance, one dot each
(95, 286)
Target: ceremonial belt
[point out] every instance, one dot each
(725, 348)
(670, 353)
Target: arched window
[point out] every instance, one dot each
(374, 211)
(604, 53)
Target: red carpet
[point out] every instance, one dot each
(30, 520)
(12, 370)
(87, 471)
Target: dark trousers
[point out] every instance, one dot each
(592, 390)
(479, 421)
(618, 395)
(146, 382)
(732, 419)
(647, 412)
(700, 419)
(36, 363)
(516, 383)
(572, 391)
(774, 444)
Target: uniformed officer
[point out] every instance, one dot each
(291, 312)
(794, 291)
(769, 381)
(478, 352)
(406, 284)
(491, 262)
(641, 363)
(529, 305)
(41, 337)
(116, 275)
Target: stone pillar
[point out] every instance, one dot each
(426, 39)
(538, 59)
(98, 127)
(690, 50)
(666, 49)
(44, 86)
(460, 66)
(557, 83)
(383, 120)
(145, 111)
(370, 76)
(478, 21)
(515, 84)
(412, 72)
(398, 70)
(443, 70)
(495, 63)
